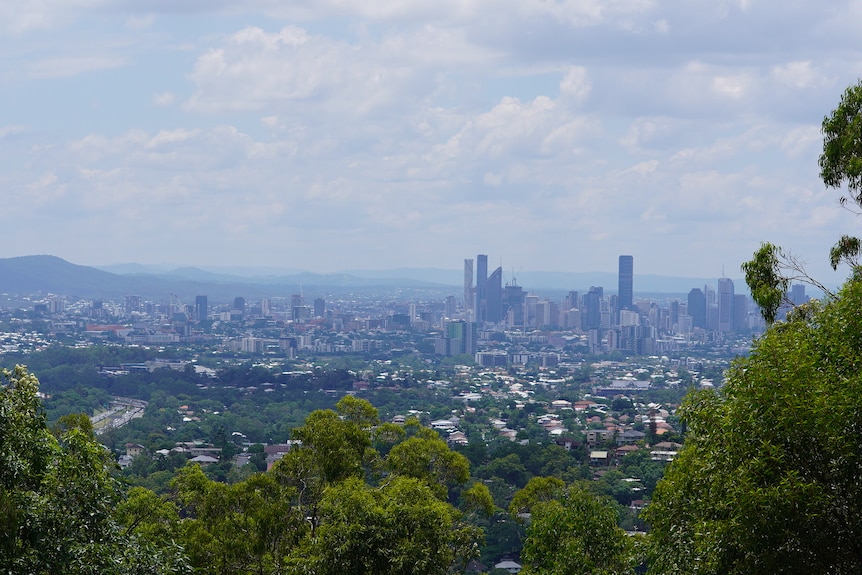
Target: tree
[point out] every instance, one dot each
(768, 480)
(576, 534)
(764, 278)
(249, 527)
(841, 159)
(538, 490)
(429, 459)
(58, 497)
(400, 528)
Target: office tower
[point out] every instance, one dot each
(513, 304)
(468, 285)
(266, 307)
(697, 308)
(296, 300)
(740, 312)
(201, 309)
(725, 305)
(450, 306)
(626, 282)
(674, 313)
(709, 294)
(460, 337)
(530, 308)
(239, 305)
(134, 303)
(797, 294)
(481, 291)
(319, 307)
(592, 316)
(572, 301)
(494, 296)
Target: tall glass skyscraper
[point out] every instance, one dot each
(625, 299)
(481, 288)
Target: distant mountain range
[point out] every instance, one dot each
(50, 274)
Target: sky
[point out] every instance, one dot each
(325, 135)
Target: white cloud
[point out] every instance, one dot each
(798, 74)
(164, 99)
(575, 84)
(331, 125)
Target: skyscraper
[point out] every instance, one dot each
(468, 284)
(592, 316)
(697, 308)
(481, 292)
(797, 294)
(725, 305)
(201, 309)
(319, 307)
(494, 296)
(626, 282)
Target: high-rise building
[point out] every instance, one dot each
(725, 305)
(740, 312)
(626, 282)
(797, 294)
(494, 296)
(696, 308)
(201, 308)
(239, 305)
(481, 291)
(134, 303)
(592, 316)
(319, 307)
(711, 308)
(513, 304)
(468, 284)
(450, 306)
(460, 338)
(296, 300)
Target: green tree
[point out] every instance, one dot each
(58, 498)
(576, 535)
(768, 480)
(538, 490)
(765, 280)
(246, 528)
(429, 459)
(401, 528)
(841, 159)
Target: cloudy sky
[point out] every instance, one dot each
(327, 135)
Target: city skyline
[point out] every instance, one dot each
(333, 136)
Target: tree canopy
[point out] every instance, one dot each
(841, 159)
(58, 496)
(769, 479)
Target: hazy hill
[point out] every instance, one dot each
(50, 274)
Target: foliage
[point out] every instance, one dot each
(430, 460)
(768, 480)
(538, 490)
(841, 159)
(58, 497)
(847, 249)
(315, 513)
(400, 528)
(576, 534)
(249, 527)
(764, 279)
